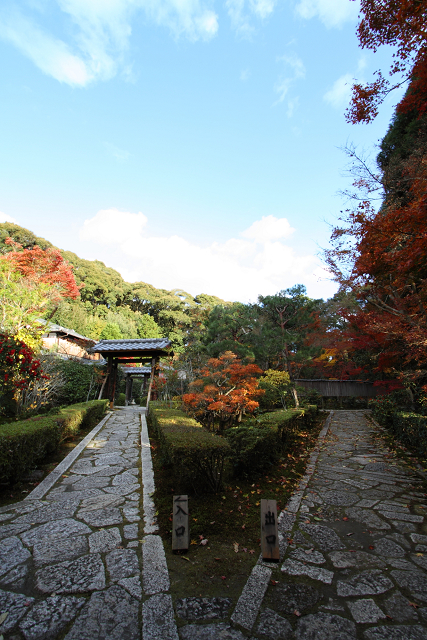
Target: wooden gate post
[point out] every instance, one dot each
(113, 384)
(153, 366)
(128, 389)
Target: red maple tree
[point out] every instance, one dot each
(225, 390)
(381, 257)
(401, 24)
(46, 266)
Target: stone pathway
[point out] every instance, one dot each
(355, 562)
(80, 557)
(70, 563)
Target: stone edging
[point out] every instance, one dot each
(249, 603)
(158, 618)
(418, 470)
(48, 482)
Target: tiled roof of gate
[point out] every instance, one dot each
(136, 370)
(146, 344)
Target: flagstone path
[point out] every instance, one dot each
(80, 558)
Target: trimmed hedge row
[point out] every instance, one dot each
(24, 443)
(260, 442)
(410, 429)
(197, 457)
(201, 459)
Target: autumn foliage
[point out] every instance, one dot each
(401, 24)
(18, 368)
(43, 266)
(225, 390)
(381, 257)
(32, 284)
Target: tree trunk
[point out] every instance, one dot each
(295, 395)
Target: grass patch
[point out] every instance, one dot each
(230, 519)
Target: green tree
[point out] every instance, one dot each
(111, 331)
(276, 385)
(147, 326)
(231, 328)
(291, 315)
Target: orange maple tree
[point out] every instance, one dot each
(225, 390)
(401, 24)
(46, 266)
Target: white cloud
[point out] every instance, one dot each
(50, 55)
(292, 105)
(262, 8)
(5, 218)
(284, 83)
(111, 226)
(268, 229)
(100, 34)
(241, 13)
(333, 13)
(340, 93)
(120, 154)
(240, 268)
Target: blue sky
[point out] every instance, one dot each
(188, 144)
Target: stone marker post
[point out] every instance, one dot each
(269, 532)
(180, 531)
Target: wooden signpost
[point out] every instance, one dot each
(269, 531)
(180, 531)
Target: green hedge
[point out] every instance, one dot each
(411, 430)
(120, 400)
(260, 441)
(24, 443)
(198, 458)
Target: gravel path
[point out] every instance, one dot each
(83, 560)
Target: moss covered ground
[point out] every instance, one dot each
(228, 520)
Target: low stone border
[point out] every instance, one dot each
(48, 482)
(417, 469)
(248, 605)
(150, 525)
(294, 502)
(158, 617)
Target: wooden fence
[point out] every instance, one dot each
(341, 388)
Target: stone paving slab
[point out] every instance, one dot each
(82, 559)
(62, 552)
(360, 516)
